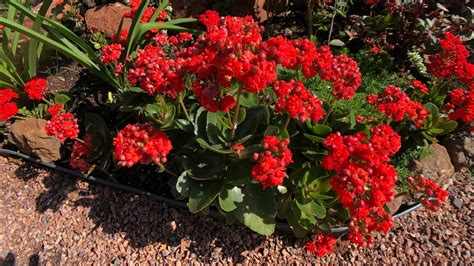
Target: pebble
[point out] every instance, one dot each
(457, 202)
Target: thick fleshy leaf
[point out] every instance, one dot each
(202, 194)
(229, 197)
(310, 207)
(258, 209)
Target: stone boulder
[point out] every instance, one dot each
(437, 167)
(460, 146)
(30, 137)
(29, 23)
(396, 203)
(106, 18)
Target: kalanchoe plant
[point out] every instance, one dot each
(254, 127)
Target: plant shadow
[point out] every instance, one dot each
(57, 186)
(144, 222)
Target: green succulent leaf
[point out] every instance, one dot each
(257, 209)
(319, 129)
(202, 194)
(294, 217)
(229, 197)
(310, 207)
(313, 138)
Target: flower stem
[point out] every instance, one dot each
(236, 113)
(333, 102)
(181, 102)
(285, 125)
(47, 101)
(230, 119)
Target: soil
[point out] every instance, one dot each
(55, 218)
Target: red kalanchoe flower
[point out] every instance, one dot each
(55, 109)
(122, 39)
(462, 104)
(375, 49)
(270, 169)
(210, 18)
(452, 60)
(227, 103)
(8, 108)
(111, 53)
(35, 88)
(297, 101)
(155, 73)
(393, 102)
(229, 50)
(364, 179)
(322, 245)
(238, 147)
(371, 2)
(80, 151)
(63, 126)
(420, 86)
(432, 195)
(141, 143)
(346, 77)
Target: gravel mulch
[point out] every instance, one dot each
(53, 218)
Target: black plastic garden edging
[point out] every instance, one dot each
(173, 203)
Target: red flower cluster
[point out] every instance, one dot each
(376, 49)
(420, 86)
(394, 103)
(322, 245)
(345, 76)
(238, 147)
(55, 109)
(462, 104)
(122, 38)
(270, 169)
(452, 60)
(63, 126)
(342, 71)
(297, 101)
(35, 88)
(432, 195)
(227, 103)
(111, 53)
(141, 143)
(371, 2)
(80, 151)
(364, 179)
(228, 50)
(156, 73)
(8, 108)
(147, 14)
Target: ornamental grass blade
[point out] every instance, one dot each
(133, 32)
(32, 58)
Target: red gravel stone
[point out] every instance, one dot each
(54, 219)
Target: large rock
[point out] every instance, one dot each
(29, 23)
(460, 147)
(106, 18)
(437, 167)
(30, 137)
(396, 203)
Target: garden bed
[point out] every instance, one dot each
(325, 135)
